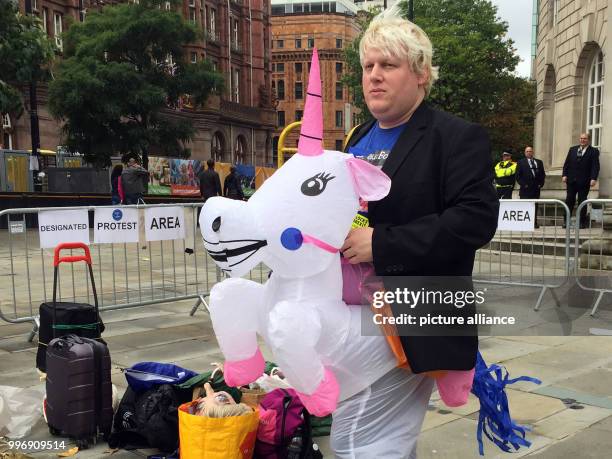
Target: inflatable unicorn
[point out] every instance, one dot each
(295, 223)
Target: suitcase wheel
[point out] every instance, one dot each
(82, 444)
(55, 432)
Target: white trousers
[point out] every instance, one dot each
(384, 420)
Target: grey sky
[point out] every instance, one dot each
(518, 15)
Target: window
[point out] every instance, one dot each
(280, 43)
(45, 14)
(194, 57)
(339, 118)
(595, 100)
(7, 138)
(212, 23)
(298, 68)
(236, 86)
(34, 5)
(298, 8)
(215, 65)
(280, 67)
(298, 43)
(192, 11)
(298, 115)
(311, 43)
(555, 11)
(280, 118)
(280, 90)
(240, 150)
(168, 6)
(338, 68)
(57, 30)
(299, 91)
(235, 32)
(339, 43)
(217, 147)
(339, 92)
(339, 143)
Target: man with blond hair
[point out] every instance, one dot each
(441, 208)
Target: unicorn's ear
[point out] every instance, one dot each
(371, 183)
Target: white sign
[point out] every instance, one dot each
(115, 225)
(516, 216)
(57, 226)
(17, 227)
(164, 223)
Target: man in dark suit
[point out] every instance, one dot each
(210, 184)
(530, 176)
(580, 173)
(441, 208)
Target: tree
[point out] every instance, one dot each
(123, 67)
(25, 51)
(476, 63)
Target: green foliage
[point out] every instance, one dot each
(122, 68)
(476, 63)
(25, 51)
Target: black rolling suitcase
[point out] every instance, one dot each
(59, 318)
(79, 389)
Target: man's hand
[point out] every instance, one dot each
(593, 183)
(357, 247)
(564, 178)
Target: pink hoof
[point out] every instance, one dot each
(243, 372)
(324, 399)
(455, 386)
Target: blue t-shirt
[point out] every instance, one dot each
(374, 147)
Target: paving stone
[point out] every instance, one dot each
(17, 362)
(596, 382)
(569, 361)
(592, 443)
(452, 440)
(168, 353)
(17, 343)
(528, 408)
(124, 328)
(158, 337)
(569, 421)
(600, 346)
(435, 419)
(543, 340)
(500, 350)
(546, 374)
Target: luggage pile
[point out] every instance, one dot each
(165, 406)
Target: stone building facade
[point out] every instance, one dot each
(236, 126)
(572, 56)
(297, 28)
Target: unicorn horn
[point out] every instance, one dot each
(311, 134)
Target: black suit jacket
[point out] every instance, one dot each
(530, 185)
(210, 184)
(580, 171)
(441, 208)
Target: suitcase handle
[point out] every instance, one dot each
(73, 258)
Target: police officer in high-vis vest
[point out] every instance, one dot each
(505, 176)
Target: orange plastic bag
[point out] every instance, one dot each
(202, 437)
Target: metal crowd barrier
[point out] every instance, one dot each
(539, 259)
(127, 275)
(593, 249)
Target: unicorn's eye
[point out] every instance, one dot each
(315, 185)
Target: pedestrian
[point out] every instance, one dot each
(134, 179)
(210, 183)
(505, 175)
(232, 188)
(441, 208)
(580, 173)
(530, 176)
(116, 185)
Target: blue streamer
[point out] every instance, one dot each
(494, 418)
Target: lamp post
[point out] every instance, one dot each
(34, 129)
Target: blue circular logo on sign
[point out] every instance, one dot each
(117, 215)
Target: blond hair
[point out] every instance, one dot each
(397, 37)
(226, 411)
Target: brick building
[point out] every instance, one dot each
(237, 126)
(298, 27)
(571, 55)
